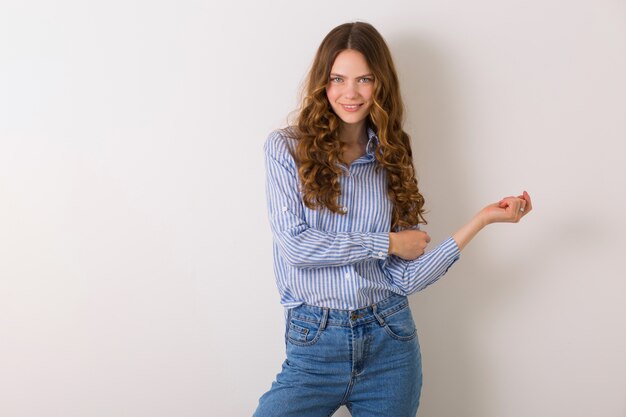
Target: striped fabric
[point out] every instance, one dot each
(340, 261)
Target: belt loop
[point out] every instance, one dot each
(378, 317)
(324, 319)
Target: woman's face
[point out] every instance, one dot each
(350, 87)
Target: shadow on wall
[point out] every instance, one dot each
(434, 125)
(446, 316)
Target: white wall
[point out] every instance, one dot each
(135, 254)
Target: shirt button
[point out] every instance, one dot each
(344, 208)
(381, 254)
(284, 208)
(347, 275)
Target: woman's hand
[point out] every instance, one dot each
(508, 210)
(408, 244)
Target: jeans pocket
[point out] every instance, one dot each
(303, 332)
(400, 325)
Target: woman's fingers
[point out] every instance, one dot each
(513, 207)
(526, 203)
(522, 207)
(503, 203)
(529, 204)
(506, 201)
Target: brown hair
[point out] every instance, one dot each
(317, 128)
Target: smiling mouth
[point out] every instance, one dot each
(351, 107)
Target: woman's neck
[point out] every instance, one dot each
(353, 134)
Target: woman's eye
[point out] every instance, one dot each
(336, 79)
(366, 80)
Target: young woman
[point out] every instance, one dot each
(344, 210)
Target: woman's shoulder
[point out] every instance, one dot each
(281, 143)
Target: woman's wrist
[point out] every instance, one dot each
(482, 219)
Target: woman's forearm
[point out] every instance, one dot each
(466, 233)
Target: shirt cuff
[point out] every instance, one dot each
(380, 245)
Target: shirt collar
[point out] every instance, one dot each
(370, 149)
(372, 143)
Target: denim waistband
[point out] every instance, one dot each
(349, 318)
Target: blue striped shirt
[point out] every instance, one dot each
(340, 261)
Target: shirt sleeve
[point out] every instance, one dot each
(415, 275)
(299, 244)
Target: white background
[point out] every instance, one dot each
(135, 254)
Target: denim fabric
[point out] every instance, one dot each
(367, 359)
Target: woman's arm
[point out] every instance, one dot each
(410, 244)
(507, 210)
(412, 269)
(299, 244)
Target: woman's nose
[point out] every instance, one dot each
(351, 91)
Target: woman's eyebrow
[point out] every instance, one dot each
(334, 74)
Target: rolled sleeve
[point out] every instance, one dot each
(412, 276)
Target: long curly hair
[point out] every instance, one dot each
(319, 148)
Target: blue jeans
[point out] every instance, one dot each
(368, 360)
